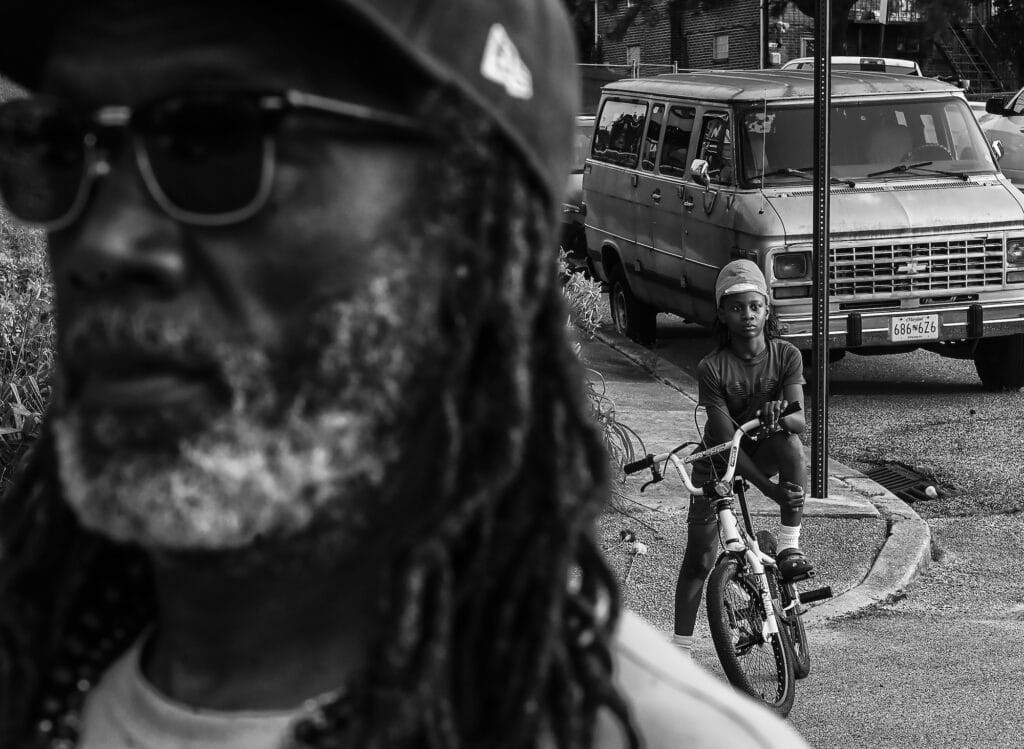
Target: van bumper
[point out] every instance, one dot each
(874, 328)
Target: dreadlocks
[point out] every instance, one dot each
(501, 612)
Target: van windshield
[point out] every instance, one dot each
(871, 141)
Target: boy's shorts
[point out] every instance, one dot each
(700, 512)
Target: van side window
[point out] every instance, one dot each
(716, 147)
(619, 132)
(650, 153)
(678, 129)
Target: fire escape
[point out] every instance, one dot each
(962, 51)
(961, 46)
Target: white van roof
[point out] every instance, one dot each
(774, 84)
(866, 64)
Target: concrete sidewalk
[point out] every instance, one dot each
(865, 542)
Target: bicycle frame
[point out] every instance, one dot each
(738, 541)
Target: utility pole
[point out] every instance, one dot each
(820, 316)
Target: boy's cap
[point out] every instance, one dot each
(516, 59)
(737, 277)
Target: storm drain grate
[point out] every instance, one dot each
(904, 483)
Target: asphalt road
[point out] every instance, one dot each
(942, 666)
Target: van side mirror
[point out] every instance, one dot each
(997, 149)
(996, 105)
(699, 171)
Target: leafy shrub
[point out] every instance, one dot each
(586, 313)
(26, 339)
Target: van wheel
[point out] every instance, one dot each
(631, 317)
(1000, 362)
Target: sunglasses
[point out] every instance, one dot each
(206, 158)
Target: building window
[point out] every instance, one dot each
(720, 51)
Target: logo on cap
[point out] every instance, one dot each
(503, 64)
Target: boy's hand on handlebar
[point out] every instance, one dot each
(770, 414)
(787, 495)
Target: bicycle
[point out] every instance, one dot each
(761, 654)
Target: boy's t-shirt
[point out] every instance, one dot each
(742, 387)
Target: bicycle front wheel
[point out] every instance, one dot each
(785, 593)
(753, 662)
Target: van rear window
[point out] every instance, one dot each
(619, 132)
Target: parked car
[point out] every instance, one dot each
(1005, 125)
(692, 170)
(865, 64)
(574, 240)
(978, 110)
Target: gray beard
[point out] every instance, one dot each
(272, 466)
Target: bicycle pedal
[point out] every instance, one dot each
(800, 578)
(818, 594)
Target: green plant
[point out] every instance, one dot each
(586, 312)
(26, 339)
(583, 295)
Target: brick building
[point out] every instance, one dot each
(726, 34)
(739, 34)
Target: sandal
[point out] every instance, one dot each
(793, 563)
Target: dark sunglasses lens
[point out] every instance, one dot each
(42, 159)
(206, 151)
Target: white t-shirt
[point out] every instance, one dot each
(674, 703)
(124, 711)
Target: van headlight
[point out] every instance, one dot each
(790, 265)
(1015, 251)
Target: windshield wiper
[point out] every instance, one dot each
(920, 166)
(787, 171)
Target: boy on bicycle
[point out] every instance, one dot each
(751, 373)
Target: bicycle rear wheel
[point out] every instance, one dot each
(792, 621)
(758, 665)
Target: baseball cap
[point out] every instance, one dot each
(737, 277)
(514, 58)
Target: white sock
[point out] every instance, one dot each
(684, 643)
(789, 537)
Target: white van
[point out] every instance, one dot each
(691, 170)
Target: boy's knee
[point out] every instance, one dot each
(789, 453)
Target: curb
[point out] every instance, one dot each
(906, 551)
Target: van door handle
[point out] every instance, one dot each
(656, 196)
(688, 201)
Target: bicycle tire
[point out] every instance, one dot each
(760, 667)
(796, 634)
(794, 623)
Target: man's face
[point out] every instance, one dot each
(220, 385)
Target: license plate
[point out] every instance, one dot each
(914, 328)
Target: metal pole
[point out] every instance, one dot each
(819, 320)
(762, 30)
(595, 26)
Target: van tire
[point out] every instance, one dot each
(631, 317)
(1000, 362)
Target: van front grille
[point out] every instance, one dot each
(918, 266)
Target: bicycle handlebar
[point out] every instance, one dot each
(651, 460)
